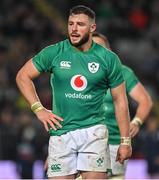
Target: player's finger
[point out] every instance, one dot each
(51, 124)
(121, 161)
(133, 133)
(56, 122)
(56, 117)
(46, 126)
(117, 157)
(45, 165)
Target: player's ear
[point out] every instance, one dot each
(93, 27)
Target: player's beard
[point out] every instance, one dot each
(84, 40)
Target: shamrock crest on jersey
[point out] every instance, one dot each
(93, 67)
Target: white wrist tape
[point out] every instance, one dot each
(37, 106)
(125, 141)
(137, 121)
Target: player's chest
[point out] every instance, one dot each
(69, 65)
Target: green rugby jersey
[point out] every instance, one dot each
(110, 119)
(79, 81)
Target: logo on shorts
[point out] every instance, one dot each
(56, 167)
(100, 161)
(78, 82)
(93, 67)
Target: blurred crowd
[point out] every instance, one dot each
(27, 26)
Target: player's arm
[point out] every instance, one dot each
(121, 109)
(144, 105)
(24, 80)
(122, 115)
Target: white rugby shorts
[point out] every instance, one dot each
(117, 168)
(79, 150)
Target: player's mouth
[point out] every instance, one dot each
(75, 36)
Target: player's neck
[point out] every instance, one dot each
(86, 46)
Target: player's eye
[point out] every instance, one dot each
(81, 24)
(70, 23)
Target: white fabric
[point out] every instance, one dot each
(116, 167)
(82, 149)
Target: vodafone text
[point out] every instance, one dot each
(78, 96)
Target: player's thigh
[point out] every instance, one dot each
(63, 177)
(93, 175)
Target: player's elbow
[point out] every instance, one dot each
(20, 77)
(147, 102)
(150, 102)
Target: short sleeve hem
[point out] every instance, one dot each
(114, 85)
(36, 65)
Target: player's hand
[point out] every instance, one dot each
(134, 129)
(124, 152)
(49, 119)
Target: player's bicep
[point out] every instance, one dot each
(118, 92)
(114, 73)
(139, 93)
(29, 70)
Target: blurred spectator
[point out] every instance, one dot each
(26, 145)
(138, 18)
(31, 144)
(150, 148)
(8, 135)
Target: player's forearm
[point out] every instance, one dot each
(27, 88)
(144, 101)
(123, 118)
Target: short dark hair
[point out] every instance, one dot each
(81, 9)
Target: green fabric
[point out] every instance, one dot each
(79, 81)
(110, 119)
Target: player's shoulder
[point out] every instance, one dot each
(100, 48)
(60, 44)
(127, 69)
(57, 47)
(104, 51)
(128, 73)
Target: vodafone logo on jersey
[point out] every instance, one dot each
(78, 82)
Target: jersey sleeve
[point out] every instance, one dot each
(115, 76)
(130, 78)
(44, 59)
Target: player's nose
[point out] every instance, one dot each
(74, 27)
